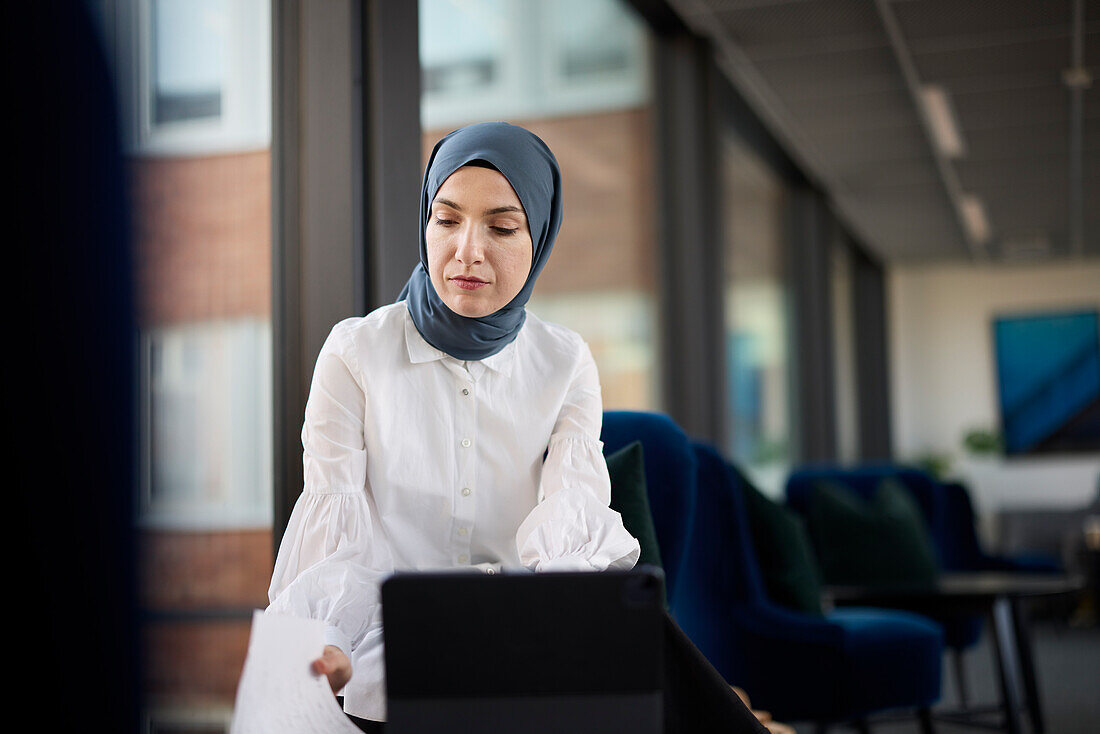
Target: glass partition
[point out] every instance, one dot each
(757, 315)
(575, 72)
(194, 86)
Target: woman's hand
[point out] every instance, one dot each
(333, 664)
(765, 718)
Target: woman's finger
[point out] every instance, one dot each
(334, 665)
(776, 728)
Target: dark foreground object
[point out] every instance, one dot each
(695, 697)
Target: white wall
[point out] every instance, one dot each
(943, 377)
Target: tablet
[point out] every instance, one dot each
(552, 652)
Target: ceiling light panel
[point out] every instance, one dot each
(939, 115)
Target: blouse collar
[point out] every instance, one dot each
(421, 351)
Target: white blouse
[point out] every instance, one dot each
(416, 460)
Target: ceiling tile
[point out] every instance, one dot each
(835, 82)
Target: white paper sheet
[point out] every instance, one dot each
(279, 693)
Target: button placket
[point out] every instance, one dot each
(465, 434)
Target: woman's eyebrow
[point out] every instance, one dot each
(448, 202)
(487, 212)
(503, 209)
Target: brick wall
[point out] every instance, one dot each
(228, 569)
(203, 236)
(200, 587)
(193, 662)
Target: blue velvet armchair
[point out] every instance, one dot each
(845, 665)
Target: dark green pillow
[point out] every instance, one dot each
(912, 543)
(877, 543)
(784, 553)
(629, 498)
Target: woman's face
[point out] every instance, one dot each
(478, 241)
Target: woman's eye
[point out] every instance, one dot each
(443, 222)
(505, 231)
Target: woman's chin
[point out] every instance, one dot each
(472, 306)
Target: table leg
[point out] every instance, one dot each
(960, 678)
(1004, 643)
(1027, 667)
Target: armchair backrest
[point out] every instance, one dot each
(723, 605)
(670, 480)
(961, 550)
(864, 480)
(722, 567)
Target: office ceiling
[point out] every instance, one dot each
(849, 86)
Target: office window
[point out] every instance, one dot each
(757, 315)
(524, 60)
(574, 72)
(188, 42)
(194, 88)
(466, 51)
(206, 417)
(193, 76)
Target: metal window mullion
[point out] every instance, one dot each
(390, 113)
(690, 253)
(808, 277)
(287, 413)
(872, 366)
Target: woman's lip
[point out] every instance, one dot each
(469, 284)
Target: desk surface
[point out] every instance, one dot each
(957, 589)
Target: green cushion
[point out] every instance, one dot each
(876, 543)
(784, 553)
(629, 498)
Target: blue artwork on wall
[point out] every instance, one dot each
(1048, 370)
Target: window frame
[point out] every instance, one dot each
(241, 126)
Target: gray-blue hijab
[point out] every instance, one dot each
(530, 167)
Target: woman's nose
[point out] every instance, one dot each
(470, 249)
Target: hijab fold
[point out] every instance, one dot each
(526, 161)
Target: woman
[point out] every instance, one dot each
(452, 428)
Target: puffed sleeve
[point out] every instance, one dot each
(572, 527)
(330, 561)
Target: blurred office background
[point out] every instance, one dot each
(809, 230)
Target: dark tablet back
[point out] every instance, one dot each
(531, 653)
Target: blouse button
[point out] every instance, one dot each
(463, 558)
(465, 491)
(465, 443)
(490, 571)
(465, 391)
(462, 531)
